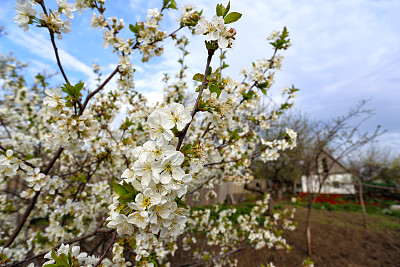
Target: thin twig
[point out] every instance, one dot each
(22, 222)
(41, 3)
(233, 160)
(5, 127)
(196, 105)
(108, 248)
(95, 232)
(200, 186)
(101, 86)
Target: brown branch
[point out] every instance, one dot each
(196, 105)
(41, 3)
(101, 86)
(27, 163)
(5, 127)
(22, 222)
(233, 160)
(95, 232)
(200, 186)
(33, 201)
(106, 251)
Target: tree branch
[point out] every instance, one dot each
(106, 251)
(200, 186)
(95, 232)
(196, 105)
(41, 3)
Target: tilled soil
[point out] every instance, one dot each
(339, 239)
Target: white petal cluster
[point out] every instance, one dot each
(98, 21)
(216, 30)
(66, 8)
(8, 164)
(80, 5)
(70, 130)
(149, 34)
(25, 13)
(188, 12)
(80, 258)
(55, 23)
(221, 103)
(253, 227)
(118, 259)
(272, 149)
(159, 179)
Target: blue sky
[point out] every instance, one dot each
(343, 51)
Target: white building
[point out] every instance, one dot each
(335, 178)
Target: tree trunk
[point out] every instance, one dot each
(280, 192)
(308, 222)
(361, 195)
(270, 206)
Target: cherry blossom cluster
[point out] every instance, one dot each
(26, 14)
(189, 15)
(272, 148)
(72, 129)
(71, 254)
(157, 180)
(235, 228)
(8, 165)
(215, 30)
(148, 33)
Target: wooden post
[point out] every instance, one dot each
(361, 196)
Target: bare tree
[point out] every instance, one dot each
(341, 136)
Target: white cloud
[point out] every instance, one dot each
(41, 50)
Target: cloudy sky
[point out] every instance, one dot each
(343, 52)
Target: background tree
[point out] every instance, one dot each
(287, 169)
(340, 137)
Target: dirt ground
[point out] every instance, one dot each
(339, 239)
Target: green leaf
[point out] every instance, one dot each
(78, 87)
(133, 28)
(186, 147)
(213, 88)
(198, 77)
(44, 221)
(247, 96)
(181, 203)
(232, 17)
(67, 88)
(220, 10)
(62, 261)
(69, 258)
(227, 9)
(172, 5)
(224, 65)
(73, 91)
(209, 71)
(53, 254)
(166, 2)
(262, 87)
(235, 134)
(119, 189)
(214, 74)
(129, 187)
(154, 263)
(127, 197)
